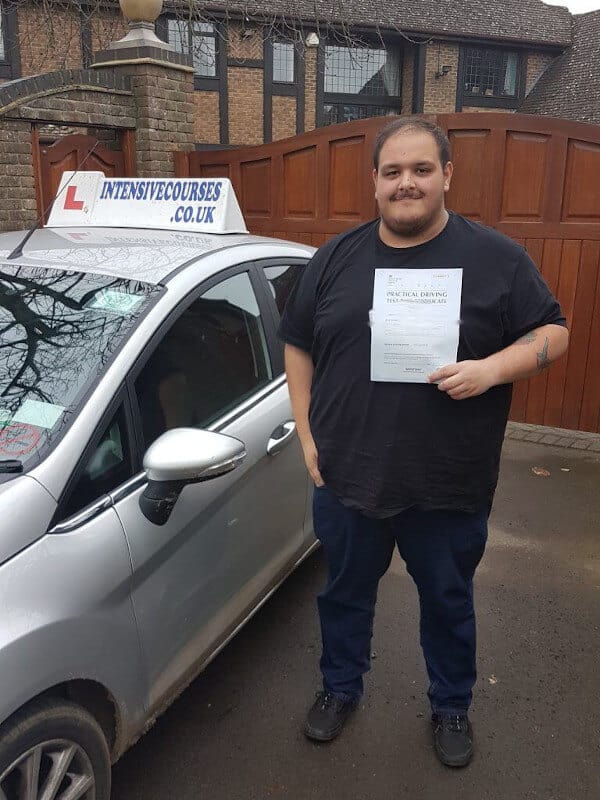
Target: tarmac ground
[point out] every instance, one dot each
(235, 734)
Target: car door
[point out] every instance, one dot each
(229, 540)
(84, 595)
(280, 276)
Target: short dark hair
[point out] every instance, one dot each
(402, 124)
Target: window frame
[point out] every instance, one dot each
(10, 63)
(201, 82)
(464, 98)
(272, 88)
(121, 399)
(324, 98)
(3, 37)
(274, 357)
(278, 261)
(280, 84)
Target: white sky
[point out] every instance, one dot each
(576, 6)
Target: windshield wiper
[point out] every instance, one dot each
(11, 465)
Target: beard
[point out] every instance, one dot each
(411, 225)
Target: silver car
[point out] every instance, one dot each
(152, 488)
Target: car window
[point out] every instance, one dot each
(282, 279)
(213, 357)
(107, 467)
(59, 331)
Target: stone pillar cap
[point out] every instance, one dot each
(141, 15)
(141, 10)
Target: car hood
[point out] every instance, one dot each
(26, 509)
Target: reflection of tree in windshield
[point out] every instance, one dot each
(55, 337)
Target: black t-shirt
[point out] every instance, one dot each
(385, 447)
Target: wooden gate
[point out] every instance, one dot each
(535, 179)
(78, 151)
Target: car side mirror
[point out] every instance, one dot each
(182, 456)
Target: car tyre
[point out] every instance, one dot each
(57, 747)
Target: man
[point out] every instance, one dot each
(413, 464)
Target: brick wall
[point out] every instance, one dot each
(310, 89)
(106, 27)
(206, 117)
(408, 63)
(284, 117)
(48, 40)
(102, 107)
(249, 45)
(245, 86)
(536, 64)
(53, 102)
(440, 93)
(245, 105)
(51, 39)
(18, 208)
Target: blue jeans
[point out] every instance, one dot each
(441, 550)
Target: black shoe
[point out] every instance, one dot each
(327, 717)
(453, 739)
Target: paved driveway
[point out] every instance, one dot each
(234, 735)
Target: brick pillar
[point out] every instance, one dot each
(310, 89)
(440, 92)
(17, 194)
(163, 85)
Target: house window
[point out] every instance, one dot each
(348, 112)
(2, 35)
(198, 39)
(9, 48)
(490, 72)
(359, 82)
(361, 70)
(283, 77)
(283, 62)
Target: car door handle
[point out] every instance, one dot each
(280, 437)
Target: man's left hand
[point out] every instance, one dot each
(465, 379)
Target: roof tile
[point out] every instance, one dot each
(570, 87)
(518, 20)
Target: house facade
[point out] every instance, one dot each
(269, 72)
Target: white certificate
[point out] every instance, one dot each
(415, 322)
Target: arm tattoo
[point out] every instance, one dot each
(542, 356)
(528, 338)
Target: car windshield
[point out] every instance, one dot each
(58, 332)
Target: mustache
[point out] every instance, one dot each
(415, 195)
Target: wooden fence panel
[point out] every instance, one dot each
(536, 179)
(581, 333)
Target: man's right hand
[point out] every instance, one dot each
(311, 459)
(299, 370)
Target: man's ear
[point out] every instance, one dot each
(448, 171)
(375, 181)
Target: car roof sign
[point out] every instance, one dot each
(90, 199)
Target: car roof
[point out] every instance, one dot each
(134, 253)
